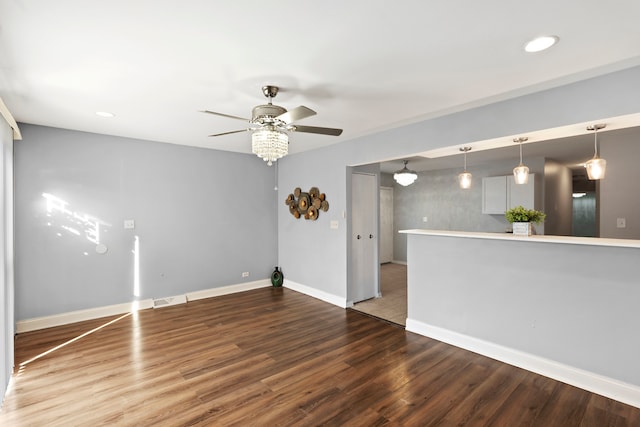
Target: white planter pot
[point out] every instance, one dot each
(522, 228)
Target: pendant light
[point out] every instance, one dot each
(405, 176)
(521, 172)
(596, 167)
(464, 179)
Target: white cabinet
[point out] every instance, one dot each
(521, 194)
(494, 194)
(500, 193)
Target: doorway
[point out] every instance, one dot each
(391, 303)
(584, 206)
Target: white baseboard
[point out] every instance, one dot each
(80, 315)
(316, 293)
(595, 383)
(225, 290)
(399, 262)
(112, 310)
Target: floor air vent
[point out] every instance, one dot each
(167, 301)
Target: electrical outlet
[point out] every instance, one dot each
(129, 224)
(425, 219)
(245, 274)
(621, 222)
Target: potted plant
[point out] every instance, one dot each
(521, 219)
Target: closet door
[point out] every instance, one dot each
(364, 245)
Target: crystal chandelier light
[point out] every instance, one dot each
(269, 143)
(596, 167)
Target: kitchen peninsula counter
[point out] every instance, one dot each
(570, 240)
(564, 307)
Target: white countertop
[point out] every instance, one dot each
(591, 241)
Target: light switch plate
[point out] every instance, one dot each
(129, 224)
(334, 225)
(621, 222)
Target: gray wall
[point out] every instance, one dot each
(436, 195)
(585, 101)
(619, 189)
(386, 180)
(558, 198)
(495, 290)
(7, 322)
(202, 218)
(582, 102)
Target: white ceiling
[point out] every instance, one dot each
(364, 66)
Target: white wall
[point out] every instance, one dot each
(202, 217)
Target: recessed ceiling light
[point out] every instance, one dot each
(541, 43)
(104, 114)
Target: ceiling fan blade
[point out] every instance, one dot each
(314, 129)
(296, 114)
(224, 115)
(227, 133)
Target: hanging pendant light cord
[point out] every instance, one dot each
(520, 153)
(275, 188)
(465, 161)
(595, 132)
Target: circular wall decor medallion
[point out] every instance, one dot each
(307, 205)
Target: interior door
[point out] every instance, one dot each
(364, 240)
(386, 224)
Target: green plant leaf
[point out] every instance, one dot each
(522, 214)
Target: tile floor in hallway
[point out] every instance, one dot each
(392, 306)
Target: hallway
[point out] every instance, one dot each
(392, 306)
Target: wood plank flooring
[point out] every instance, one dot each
(276, 357)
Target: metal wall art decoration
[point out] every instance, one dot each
(307, 205)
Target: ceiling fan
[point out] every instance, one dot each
(270, 124)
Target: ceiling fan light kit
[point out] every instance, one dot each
(269, 138)
(270, 144)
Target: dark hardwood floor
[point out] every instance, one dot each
(275, 357)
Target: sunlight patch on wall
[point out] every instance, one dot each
(74, 223)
